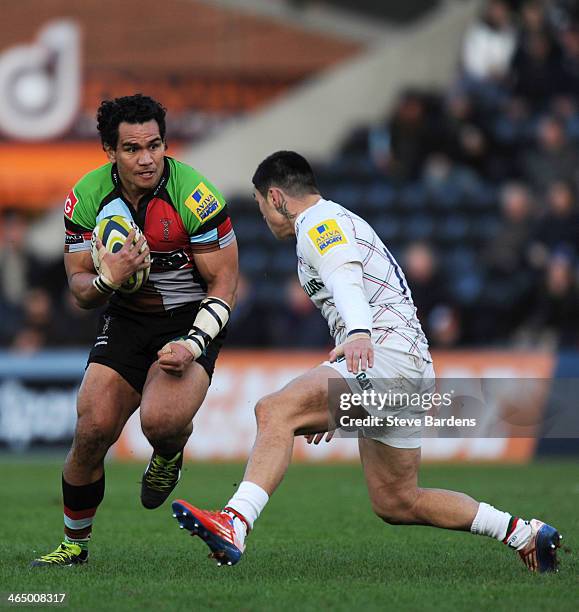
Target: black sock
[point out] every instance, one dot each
(80, 506)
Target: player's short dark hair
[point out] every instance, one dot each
(132, 109)
(287, 170)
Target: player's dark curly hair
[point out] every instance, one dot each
(132, 109)
(287, 170)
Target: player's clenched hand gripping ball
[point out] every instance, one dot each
(129, 269)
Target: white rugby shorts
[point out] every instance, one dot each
(397, 372)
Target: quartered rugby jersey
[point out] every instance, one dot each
(184, 215)
(328, 236)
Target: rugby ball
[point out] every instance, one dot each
(113, 232)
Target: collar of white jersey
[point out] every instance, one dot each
(303, 214)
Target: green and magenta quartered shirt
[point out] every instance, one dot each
(184, 215)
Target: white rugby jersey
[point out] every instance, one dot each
(329, 235)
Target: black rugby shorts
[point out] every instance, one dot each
(128, 341)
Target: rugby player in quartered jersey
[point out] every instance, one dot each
(183, 215)
(156, 348)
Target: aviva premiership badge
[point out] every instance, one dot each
(202, 203)
(326, 235)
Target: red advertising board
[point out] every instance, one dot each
(224, 429)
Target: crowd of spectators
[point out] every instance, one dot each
(37, 311)
(504, 138)
(36, 308)
(475, 190)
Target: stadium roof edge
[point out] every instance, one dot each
(320, 18)
(316, 116)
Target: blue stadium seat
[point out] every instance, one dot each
(467, 288)
(506, 131)
(419, 227)
(282, 261)
(357, 167)
(363, 168)
(460, 264)
(459, 259)
(572, 128)
(388, 228)
(413, 197)
(349, 195)
(269, 291)
(452, 229)
(253, 261)
(446, 195)
(249, 227)
(380, 195)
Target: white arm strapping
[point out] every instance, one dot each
(346, 283)
(211, 318)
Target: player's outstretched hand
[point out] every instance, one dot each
(174, 358)
(118, 267)
(317, 438)
(358, 352)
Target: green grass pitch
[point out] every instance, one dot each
(317, 545)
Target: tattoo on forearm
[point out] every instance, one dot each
(281, 208)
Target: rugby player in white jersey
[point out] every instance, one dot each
(361, 291)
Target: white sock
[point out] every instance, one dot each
(494, 523)
(490, 522)
(249, 500)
